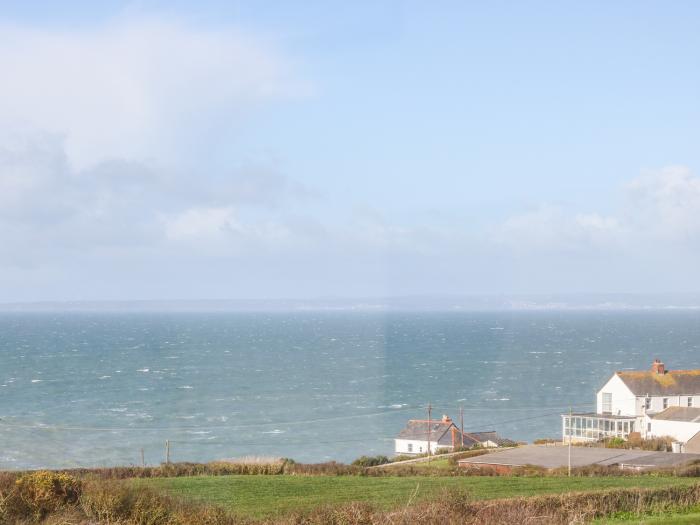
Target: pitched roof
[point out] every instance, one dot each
(671, 383)
(418, 429)
(491, 435)
(687, 414)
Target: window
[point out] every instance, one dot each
(690, 401)
(607, 402)
(665, 402)
(648, 427)
(410, 447)
(647, 403)
(420, 449)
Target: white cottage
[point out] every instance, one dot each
(419, 434)
(645, 402)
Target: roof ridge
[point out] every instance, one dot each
(651, 372)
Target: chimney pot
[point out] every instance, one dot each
(657, 367)
(446, 419)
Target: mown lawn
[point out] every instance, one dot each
(263, 496)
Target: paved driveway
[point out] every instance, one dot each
(553, 457)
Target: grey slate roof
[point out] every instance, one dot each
(672, 383)
(491, 435)
(418, 429)
(687, 414)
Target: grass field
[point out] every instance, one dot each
(685, 517)
(264, 496)
(691, 518)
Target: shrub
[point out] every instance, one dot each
(401, 457)
(45, 492)
(546, 441)
(370, 461)
(658, 444)
(454, 460)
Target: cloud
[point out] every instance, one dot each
(106, 137)
(661, 206)
(50, 211)
(137, 88)
(553, 227)
(665, 204)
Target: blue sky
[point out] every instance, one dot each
(170, 150)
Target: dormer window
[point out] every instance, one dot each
(665, 403)
(690, 401)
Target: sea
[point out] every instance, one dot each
(101, 389)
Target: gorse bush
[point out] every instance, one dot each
(45, 492)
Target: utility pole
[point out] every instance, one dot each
(570, 427)
(167, 451)
(430, 424)
(143, 459)
(461, 426)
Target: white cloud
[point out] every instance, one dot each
(553, 227)
(665, 203)
(136, 89)
(197, 223)
(662, 206)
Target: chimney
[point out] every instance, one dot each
(658, 367)
(446, 419)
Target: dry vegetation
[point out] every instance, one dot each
(658, 444)
(105, 496)
(53, 498)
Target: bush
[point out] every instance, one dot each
(454, 460)
(402, 457)
(659, 444)
(43, 492)
(119, 502)
(370, 461)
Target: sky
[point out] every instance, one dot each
(261, 149)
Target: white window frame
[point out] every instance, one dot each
(607, 402)
(665, 403)
(690, 401)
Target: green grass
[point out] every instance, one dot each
(435, 464)
(682, 517)
(263, 496)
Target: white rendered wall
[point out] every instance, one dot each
(419, 447)
(624, 402)
(679, 430)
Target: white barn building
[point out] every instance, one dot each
(652, 403)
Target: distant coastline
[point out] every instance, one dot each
(419, 303)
